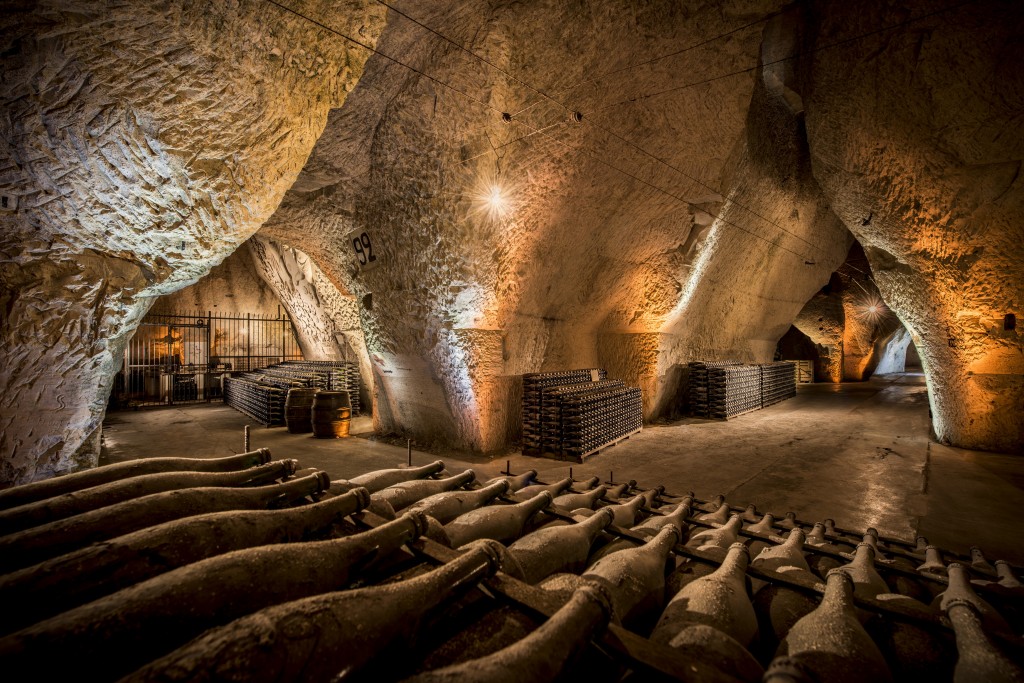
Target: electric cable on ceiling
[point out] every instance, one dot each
(529, 128)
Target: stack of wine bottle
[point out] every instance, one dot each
(574, 414)
(333, 375)
(533, 400)
(722, 390)
(261, 394)
(778, 382)
(241, 568)
(261, 398)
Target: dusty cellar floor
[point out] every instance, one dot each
(857, 452)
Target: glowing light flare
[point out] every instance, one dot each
(872, 310)
(492, 201)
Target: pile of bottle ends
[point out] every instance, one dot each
(573, 414)
(261, 394)
(247, 568)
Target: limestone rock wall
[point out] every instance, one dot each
(916, 139)
(326, 320)
(141, 144)
(232, 286)
(638, 268)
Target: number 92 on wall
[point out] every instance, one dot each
(362, 246)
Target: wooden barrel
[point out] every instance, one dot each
(298, 413)
(332, 412)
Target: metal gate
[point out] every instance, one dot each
(182, 358)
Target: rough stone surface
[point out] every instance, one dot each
(589, 265)
(142, 143)
(705, 195)
(916, 139)
(232, 286)
(326, 320)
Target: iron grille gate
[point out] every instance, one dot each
(183, 358)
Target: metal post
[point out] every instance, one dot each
(248, 342)
(570, 472)
(245, 448)
(611, 477)
(408, 444)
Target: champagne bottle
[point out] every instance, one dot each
(559, 548)
(789, 521)
(617, 491)
(829, 644)
(868, 583)
(932, 562)
(444, 507)
(635, 578)
(978, 560)
(817, 536)
(75, 503)
(750, 514)
(401, 496)
(586, 484)
(788, 554)
(766, 525)
(626, 513)
(116, 634)
(717, 541)
(382, 479)
(497, 522)
(544, 655)
(352, 628)
(528, 492)
(959, 588)
(914, 653)
(34, 545)
(778, 608)
(978, 658)
(43, 590)
(571, 501)
(48, 488)
(1007, 579)
(651, 497)
(719, 600)
(517, 482)
(720, 515)
(648, 529)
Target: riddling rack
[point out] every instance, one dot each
(576, 413)
(261, 394)
(726, 389)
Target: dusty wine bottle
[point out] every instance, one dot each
(635, 578)
(787, 554)
(719, 600)
(497, 522)
(978, 658)
(38, 592)
(544, 655)
(555, 489)
(932, 562)
(352, 628)
(34, 545)
(116, 634)
(650, 528)
(379, 480)
(444, 507)
(401, 496)
(571, 501)
(720, 515)
(829, 644)
(717, 541)
(517, 482)
(626, 513)
(558, 548)
(978, 560)
(960, 588)
(861, 569)
(48, 488)
(75, 503)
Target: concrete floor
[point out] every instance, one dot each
(858, 453)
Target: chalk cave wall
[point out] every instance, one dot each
(132, 182)
(142, 143)
(231, 287)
